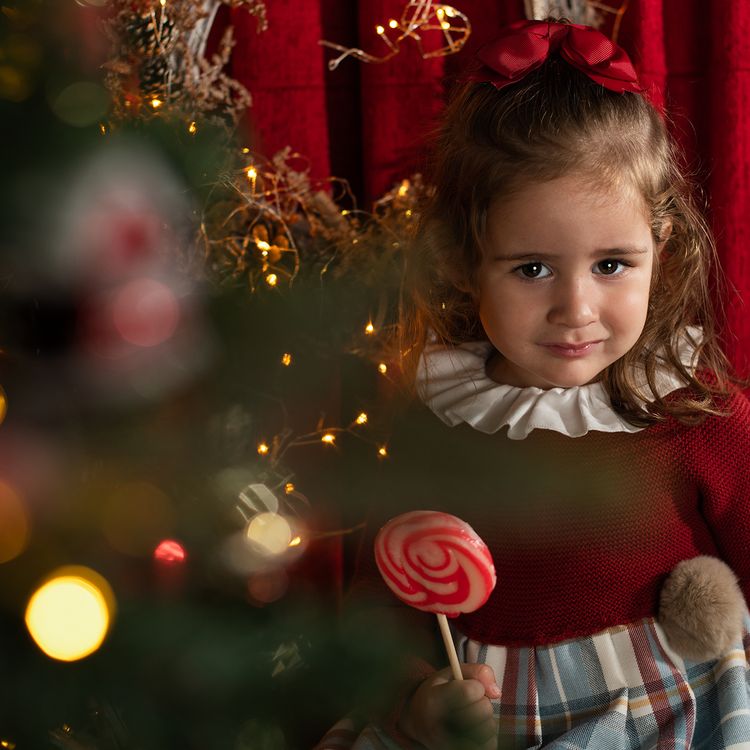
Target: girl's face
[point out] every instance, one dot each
(565, 265)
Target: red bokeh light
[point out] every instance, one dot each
(170, 551)
(146, 312)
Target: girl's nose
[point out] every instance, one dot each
(573, 305)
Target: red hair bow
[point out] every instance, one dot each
(525, 45)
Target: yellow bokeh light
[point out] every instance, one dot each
(103, 131)
(379, 29)
(263, 245)
(329, 438)
(272, 279)
(362, 418)
(382, 451)
(296, 541)
(286, 359)
(408, 213)
(156, 103)
(289, 488)
(69, 616)
(382, 368)
(404, 188)
(262, 449)
(252, 173)
(445, 25)
(369, 328)
(271, 532)
(192, 128)
(393, 23)
(14, 524)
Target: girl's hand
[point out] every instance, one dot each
(445, 713)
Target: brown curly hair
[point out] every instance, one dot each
(557, 121)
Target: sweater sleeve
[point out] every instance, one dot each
(721, 462)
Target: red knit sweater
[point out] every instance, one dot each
(583, 531)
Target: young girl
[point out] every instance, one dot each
(558, 320)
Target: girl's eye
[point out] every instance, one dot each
(531, 270)
(608, 267)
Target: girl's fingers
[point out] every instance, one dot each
(484, 674)
(476, 718)
(457, 695)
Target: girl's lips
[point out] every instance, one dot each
(572, 351)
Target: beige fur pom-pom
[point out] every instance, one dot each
(701, 608)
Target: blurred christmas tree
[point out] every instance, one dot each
(189, 358)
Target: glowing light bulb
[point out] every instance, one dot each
(450, 12)
(404, 188)
(380, 29)
(272, 279)
(156, 103)
(263, 245)
(445, 25)
(192, 128)
(440, 13)
(369, 328)
(382, 368)
(393, 23)
(289, 488)
(262, 449)
(162, 3)
(345, 212)
(103, 131)
(408, 213)
(362, 418)
(382, 451)
(296, 541)
(69, 616)
(269, 531)
(328, 438)
(252, 175)
(170, 551)
(246, 150)
(286, 360)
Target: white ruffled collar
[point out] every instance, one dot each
(458, 389)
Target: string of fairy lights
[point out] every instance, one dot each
(418, 20)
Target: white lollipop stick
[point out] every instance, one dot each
(450, 647)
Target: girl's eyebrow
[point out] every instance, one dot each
(627, 250)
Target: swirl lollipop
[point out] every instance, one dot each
(437, 563)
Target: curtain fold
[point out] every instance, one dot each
(370, 122)
(728, 157)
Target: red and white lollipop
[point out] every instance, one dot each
(436, 562)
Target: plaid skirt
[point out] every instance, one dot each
(621, 689)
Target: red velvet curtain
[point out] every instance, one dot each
(368, 122)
